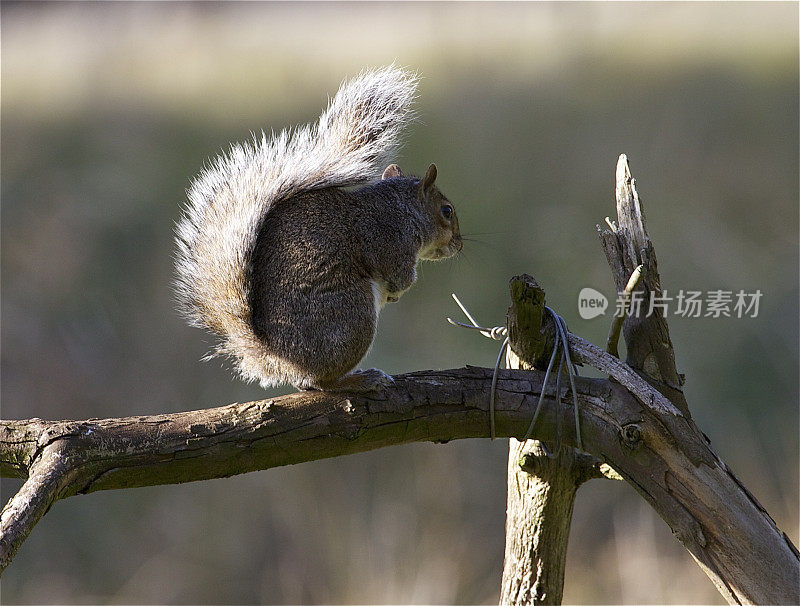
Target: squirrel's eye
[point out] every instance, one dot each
(447, 211)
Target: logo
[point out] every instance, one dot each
(591, 303)
(685, 303)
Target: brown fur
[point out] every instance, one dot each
(314, 262)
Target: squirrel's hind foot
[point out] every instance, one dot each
(369, 380)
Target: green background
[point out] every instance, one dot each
(108, 110)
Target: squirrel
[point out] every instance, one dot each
(288, 267)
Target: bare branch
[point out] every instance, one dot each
(541, 496)
(670, 464)
(102, 454)
(711, 537)
(647, 337)
(435, 406)
(541, 488)
(47, 478)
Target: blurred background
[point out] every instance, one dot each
(108, 110)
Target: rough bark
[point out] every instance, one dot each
(665, 457)
(541, 488)
(541, 496)
(627, 245)
(539, 509)
(65, 458)
(692, 476)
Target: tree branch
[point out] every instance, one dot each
(102, 454)
(541, 496)
(651, 355)
(627, 246)
(541, 488)
(676, 472)
(48, 476)
(536, 540)
(436, 406)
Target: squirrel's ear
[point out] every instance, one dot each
(430, 177)
(392, 171)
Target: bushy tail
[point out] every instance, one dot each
(354, 139)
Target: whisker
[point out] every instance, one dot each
(462, 255)
(481, 242)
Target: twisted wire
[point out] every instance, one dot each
(561, 345)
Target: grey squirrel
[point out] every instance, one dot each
(290, 269)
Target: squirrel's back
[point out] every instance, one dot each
(230, 200)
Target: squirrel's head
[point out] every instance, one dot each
(445, 239)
